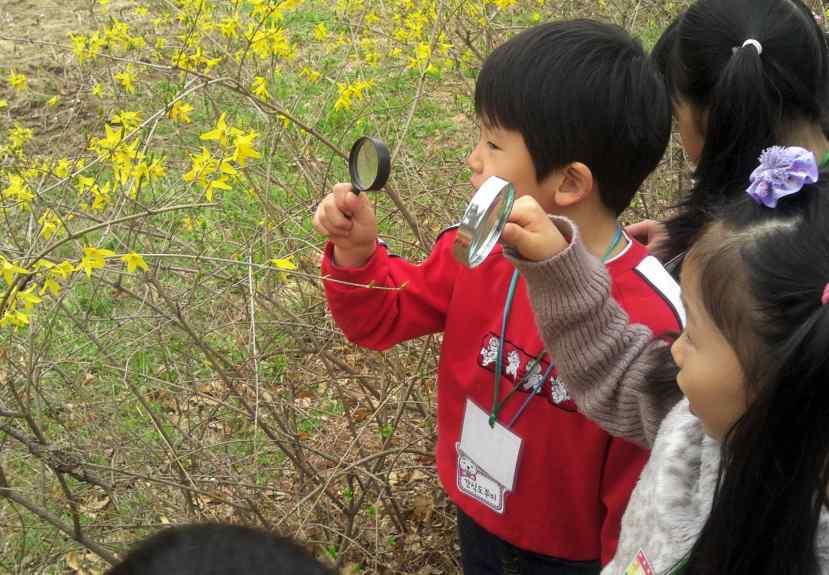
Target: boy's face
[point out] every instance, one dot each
(503, 153)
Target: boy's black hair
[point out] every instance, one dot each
(749, 99)
(217, 549)
(580, 91)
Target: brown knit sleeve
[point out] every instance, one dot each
(618, 373)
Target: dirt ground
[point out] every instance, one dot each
(34, 40)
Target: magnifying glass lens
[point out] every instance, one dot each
(367, 164)
(489, 228)
(483, 221)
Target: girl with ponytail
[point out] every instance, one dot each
(743, 75)
(739, 470)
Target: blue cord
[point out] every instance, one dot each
(499, 357)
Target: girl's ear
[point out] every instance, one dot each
(574, 185)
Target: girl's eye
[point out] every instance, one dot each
(492, 146)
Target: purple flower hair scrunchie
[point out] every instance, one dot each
(782, 172)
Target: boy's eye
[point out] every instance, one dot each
(492, 146)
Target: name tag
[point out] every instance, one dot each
(640, 565)
(487, 458)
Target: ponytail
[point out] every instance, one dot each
(754, 68)
(742, 117)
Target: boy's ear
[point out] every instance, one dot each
(575, 184)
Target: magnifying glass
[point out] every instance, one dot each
(484, 221)
(369, 164)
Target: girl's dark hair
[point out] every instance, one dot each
(749, 100)
(218, 549)
(760, 274)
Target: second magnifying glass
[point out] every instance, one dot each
(483, 221)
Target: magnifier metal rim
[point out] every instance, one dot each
(383, 164)
(468, 245)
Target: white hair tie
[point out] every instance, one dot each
(755, 43)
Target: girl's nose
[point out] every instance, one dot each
(676, 350)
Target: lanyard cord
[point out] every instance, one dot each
(499, 358)
(536, 389)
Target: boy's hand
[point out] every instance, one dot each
(650, 233)
(347, 219)
(530, 231)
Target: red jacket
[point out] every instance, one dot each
(573, 480)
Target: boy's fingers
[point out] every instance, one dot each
(334, 219)
(359, 207)
(317, 224)
(329, 231)
(341, 194)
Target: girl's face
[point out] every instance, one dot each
(691, 123)
(710, 375)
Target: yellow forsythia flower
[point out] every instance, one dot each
(130, 120)
(180, 112)
(220, 133)
(260, 88)
(49, 224)
(14, 318)
(134, 261)
(286, 264)
(320, 32)
(18, 190)
(310, 73)
(28, 298)
(244, 148)
(9, 270)
(127, 79)
(62, 168)
(18, 81)
(93, 259)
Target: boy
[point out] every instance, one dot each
(573, 114)
(218, 549)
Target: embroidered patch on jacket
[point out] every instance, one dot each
(478, 485)
(640, 565)
(518, 365)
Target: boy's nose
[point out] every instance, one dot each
(473, 160)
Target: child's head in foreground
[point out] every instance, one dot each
(571, 113)
(743, 75)
(754, 365)
(216, 549)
